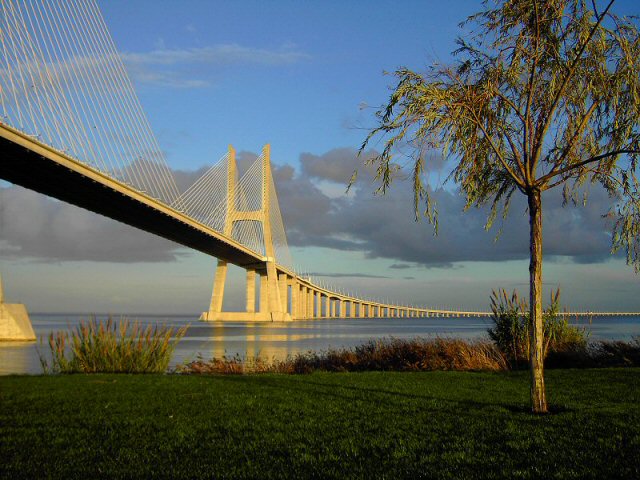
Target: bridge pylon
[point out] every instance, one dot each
(272, 304)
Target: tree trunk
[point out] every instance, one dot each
(536, 359)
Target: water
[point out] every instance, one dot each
(277, 340)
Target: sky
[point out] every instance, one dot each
(305, 77)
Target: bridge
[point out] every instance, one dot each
(72, 128)
(237, 229)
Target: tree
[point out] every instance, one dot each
(543, 94)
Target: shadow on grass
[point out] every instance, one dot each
(459, 405)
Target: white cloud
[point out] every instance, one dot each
(217, 54)
(176, 67)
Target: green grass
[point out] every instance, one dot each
(324, 425)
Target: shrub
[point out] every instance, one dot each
(389, 354)
(236, 365)
(616, 353)
(112, 347)
(511, 330)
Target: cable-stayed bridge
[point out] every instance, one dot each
(73, 128)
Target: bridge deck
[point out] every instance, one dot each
(32, 165)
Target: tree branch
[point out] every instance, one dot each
(597, 158)
(516, 154)
(506, 166)
(554, 104)
(530, 85)
(509, 102)
(571, 145)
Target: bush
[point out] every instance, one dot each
(616, 353)
(388, 354)
(511, 330)
(110, 347)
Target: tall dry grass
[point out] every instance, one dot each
(389, 354)
(107, 346)
(511, 329)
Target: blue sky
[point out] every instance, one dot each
(295, 74)
(306, 78)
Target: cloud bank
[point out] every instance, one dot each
(383, 226)
(35, 227)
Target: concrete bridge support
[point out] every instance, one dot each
(251, 291)
(15, 324)
(312, 303)
(264, 298)
(283, 290)
(273, 300)
(218, 287)
(302, 302)
(292, 286)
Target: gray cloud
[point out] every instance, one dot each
(36, 227)
(336, 165)
(384, 226)
(346, 275)
(400, 266)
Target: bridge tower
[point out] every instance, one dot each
(272, 303)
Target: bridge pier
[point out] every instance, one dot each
(251, 291)
(263, 298)
(292, 287)
(299, 312)
(219, 281)
(15, 324)
(310, 303)
(272, 301)
(283, 290)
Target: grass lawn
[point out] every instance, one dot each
(324, 425)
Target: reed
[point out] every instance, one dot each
(511, 329)
(616, 353)
(107, 346)
(388, 354)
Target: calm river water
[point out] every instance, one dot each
(277, 340)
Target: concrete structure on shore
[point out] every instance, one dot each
(15, 324)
